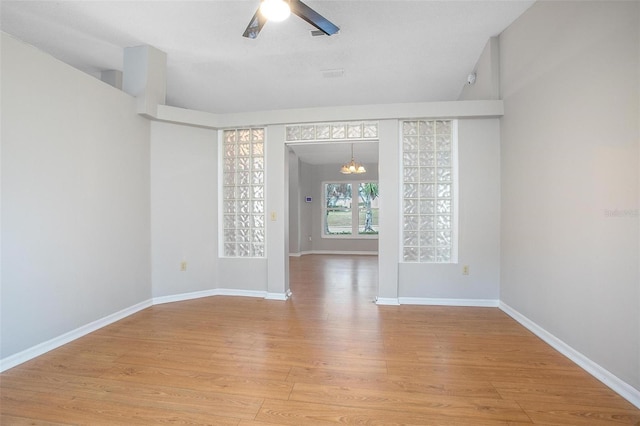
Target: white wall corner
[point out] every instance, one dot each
(144, 76)
(624, 389)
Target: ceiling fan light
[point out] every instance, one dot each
(275, 10)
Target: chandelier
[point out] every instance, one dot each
(352, 167)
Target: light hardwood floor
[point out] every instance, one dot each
(329, 355)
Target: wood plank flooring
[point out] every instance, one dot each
(329, 355)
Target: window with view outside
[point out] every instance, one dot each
(341, 218)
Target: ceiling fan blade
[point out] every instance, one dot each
(313, 17)
(255, 25)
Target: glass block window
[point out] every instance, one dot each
(332, 131)
(429, 187)
(243, 202)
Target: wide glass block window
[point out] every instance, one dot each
(243, 203)
(429, 191)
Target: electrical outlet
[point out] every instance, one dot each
(183, 266)
(465, 270)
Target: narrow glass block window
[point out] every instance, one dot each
(429, 191)
(243, 203)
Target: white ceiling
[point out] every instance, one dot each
(386, 51)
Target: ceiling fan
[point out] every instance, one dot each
(285, 7)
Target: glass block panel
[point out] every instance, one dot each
(258, 236)
(410, 143)
(243, 221)
(257, 250)
(243, 206)
(410, 128)
(410, 159)
(427, 143)
(243, 235)
(228, 178)
(410, 238)
(229, 164)
(427, 127)
(323, 131)
(293, 133)
(258, 207)
(229, 221)
(230, 249)
(257, 178)
(257, 150)
(244, 135)
(243, 178)
(243, 191)
(229, 136)
(444, 190)
(427, 254)
(229, 206)
(444, 158)
(258, 163)
(242, 163)
(370, 130)
(230, 235)
(410, 190)
(443, 238)
(443, 127)
(443, 142)
(427, 223)
(427, 206)
(258, 221)
(410, 207)
(308, 132)
(229, 193)
(427, 158)
(427, 174)
(444, 206)
(444, 174)
(244, 250)
(427, 239)
(354, 131)
(443, 221)
(229, 150)
(410, 254)
(411, 174)
(410, 223)
(338, 131)
(443, 254)
(258, 191)
(427, 147)
(244, 149)
(427, 190)
(257, 135)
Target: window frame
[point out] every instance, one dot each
(355, 212)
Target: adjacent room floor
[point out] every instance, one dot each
(329, 355)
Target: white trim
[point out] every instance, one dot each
(388, 301)
(278, 296)
(44, 347)
(355, 253)
(484, 303)
(182, 297)
(624, 389)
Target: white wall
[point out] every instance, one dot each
(570, 134)
(75, 199)
(478, 221)
(184, 213)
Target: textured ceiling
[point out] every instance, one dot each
(386, 51)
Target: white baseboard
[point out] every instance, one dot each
(278, 296)
(355, 253)
(44, 347)
(485, 303)
(624, 389)
(388, 301)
